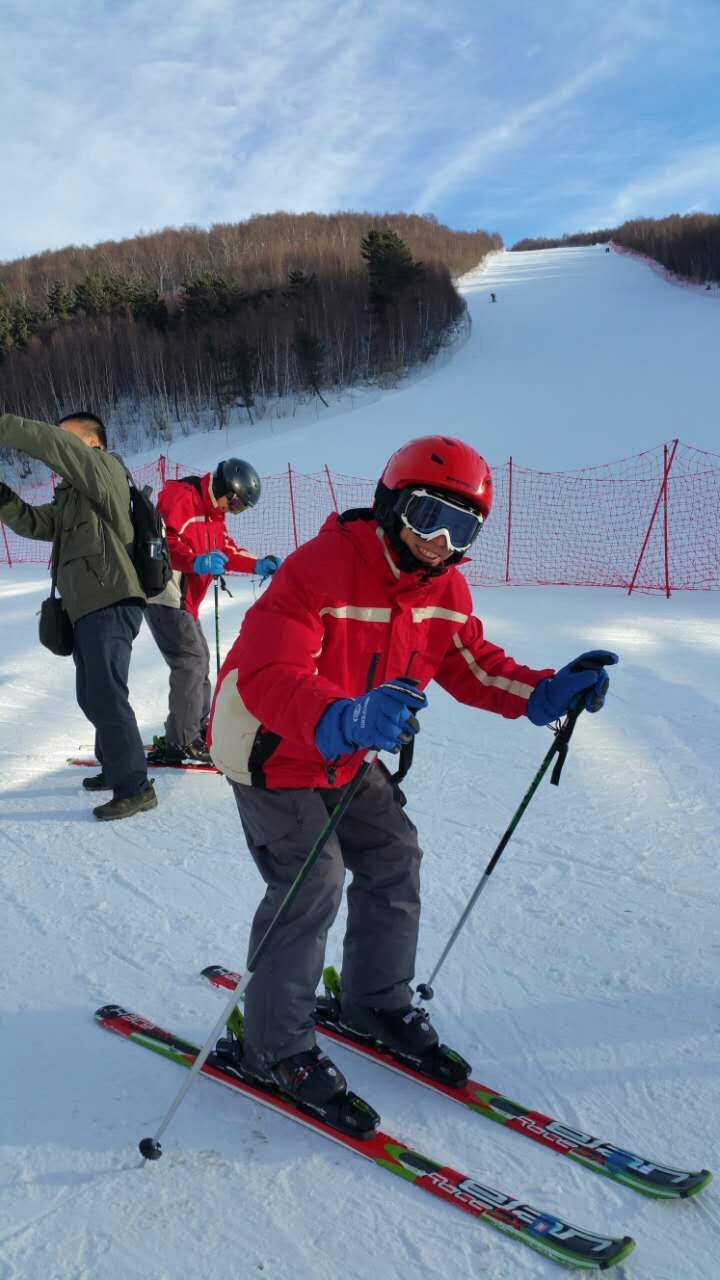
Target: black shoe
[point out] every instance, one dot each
(98, 782)
(145, 799)
(164, 752)
(406, 1031)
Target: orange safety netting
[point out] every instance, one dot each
(646, 523)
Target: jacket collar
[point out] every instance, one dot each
(212, 510)
(374, 548)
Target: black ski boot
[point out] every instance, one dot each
(165, 753)
(198, 751)
(316, 1085)
(310, 1081)
(309, 1078)
(407, 1031)
(405, 1034)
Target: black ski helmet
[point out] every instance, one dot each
(235, 478)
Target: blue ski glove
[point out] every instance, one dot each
(210, 562)
(383, 718)
(584, 678)
(267, 565)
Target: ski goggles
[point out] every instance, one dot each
(429, 515)
(235, 504)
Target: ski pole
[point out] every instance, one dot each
(217, 627)
(150, 1148)
(558, 748)
(228, 592)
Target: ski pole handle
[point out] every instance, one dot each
(596, 661)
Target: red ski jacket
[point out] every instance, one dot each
(194, 524)
(339, 618)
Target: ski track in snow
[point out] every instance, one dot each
(585, 982)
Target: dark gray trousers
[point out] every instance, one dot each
(180, 639)
(377, 843)
(102, 648)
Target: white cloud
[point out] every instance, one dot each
(688, 179)
(202, 110)
(516, 129)
(121, 115)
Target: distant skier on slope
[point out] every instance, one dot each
(493, 297)
(329, 663)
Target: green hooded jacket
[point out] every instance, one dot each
(91, 511)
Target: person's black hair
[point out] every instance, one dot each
(97, 424)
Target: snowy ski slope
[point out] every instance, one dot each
(586, 984)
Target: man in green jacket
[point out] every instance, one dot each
(89, 520)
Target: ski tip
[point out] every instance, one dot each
(108, 1011)
(623, 1247)
(695, 1182)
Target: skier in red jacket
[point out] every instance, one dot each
(201, 549)
(331, 661)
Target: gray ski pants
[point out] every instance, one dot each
(180, 639)
(378, 845)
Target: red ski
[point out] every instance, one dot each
(638, 1172)
(543, 1231)
(186, 766)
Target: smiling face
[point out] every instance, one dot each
(429, 551)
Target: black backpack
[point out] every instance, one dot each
(149, 552)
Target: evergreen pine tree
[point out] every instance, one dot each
(89, 295)
(391, 268)
(311, 355)
(300, 285)
(211, 296)
(245, 359)
(25, 321)
(59, 300)
(6, 338)
(235, 375)
(147, 304)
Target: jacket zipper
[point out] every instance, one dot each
(371, 672)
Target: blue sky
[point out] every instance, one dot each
(535, 117)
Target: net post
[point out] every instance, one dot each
(292, 505)
(662, 494)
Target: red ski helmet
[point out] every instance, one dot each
(444, 463)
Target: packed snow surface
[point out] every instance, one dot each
(586, 982)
